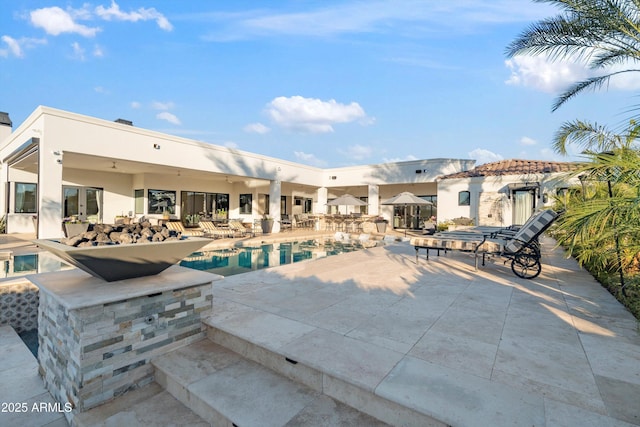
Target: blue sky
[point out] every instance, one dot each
(325, 83)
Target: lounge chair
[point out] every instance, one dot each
(238, 228)
(522, 247)
(211, 230)
(179, 227)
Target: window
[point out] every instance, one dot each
(138, 195)
(464, 198)
(283, 205)
(428, 211)
(308, 206)
(218, 205)
(26, 197)
(161, 201)
(245, 204)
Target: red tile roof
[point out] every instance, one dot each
(514, 167)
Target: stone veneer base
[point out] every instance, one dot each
(97, 338)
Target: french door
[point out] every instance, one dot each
(523, 206)
(85, 203)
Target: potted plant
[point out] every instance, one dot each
(72, 226)
(381, 224)
(267, 224)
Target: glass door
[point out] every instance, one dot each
(523, 205)
(83, 203)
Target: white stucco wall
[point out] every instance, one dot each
(497, 186)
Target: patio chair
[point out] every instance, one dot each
(521, 248)
(211, 230)
(285, 223)
(179, 227)
(302, 221)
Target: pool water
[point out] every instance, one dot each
(231, 261)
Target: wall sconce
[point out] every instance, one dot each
(156, 146)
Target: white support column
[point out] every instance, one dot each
(321, 207)
(374, 199)
(4, 179)
(275, 191)
(49, 193)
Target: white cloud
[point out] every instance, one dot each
(78, 51)
(13, 47)
(357, 152)
(55, 21)
(156, 105)
(312, 115)
(98, 52)
(257, 128)
(113, 12)
(16, 47)
(525, 140)
(483, 156)
(413, 18)
(167, 116)
(309, 159)
(135, 104)
(548, 76)
(100, 89)
(542, 74)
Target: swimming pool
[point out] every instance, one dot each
(225, 262)
(231, 261)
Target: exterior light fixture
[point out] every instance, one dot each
(156, 146)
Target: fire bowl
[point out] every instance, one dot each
(125, 261)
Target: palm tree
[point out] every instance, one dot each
(602, 228)
(603, 33)
(594, 138)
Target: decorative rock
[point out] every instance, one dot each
(90, 235)
(126, 238)
(102, 238)
(106, 234)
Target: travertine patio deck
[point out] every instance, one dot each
(467, 348)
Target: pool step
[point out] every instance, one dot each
(225, 388)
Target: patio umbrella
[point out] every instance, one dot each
(346, 200)
(406, 199)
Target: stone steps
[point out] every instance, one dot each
(147, 406)
(225, 388)
(332, 385)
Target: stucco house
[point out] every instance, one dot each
(59, 164)
(502, 193)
